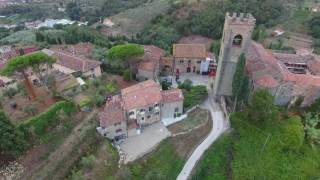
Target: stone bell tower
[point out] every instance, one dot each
(235, 41)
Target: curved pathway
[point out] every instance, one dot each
(220, 125)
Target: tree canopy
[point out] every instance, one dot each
(121, 54)
(261, 107)
(312, 132)
(21, 63)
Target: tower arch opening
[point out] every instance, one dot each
(237, 40)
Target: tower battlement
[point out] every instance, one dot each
(240, 18)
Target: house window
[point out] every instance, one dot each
(116, 124)
(176, 109)
(181, 61)
(199, 62)
(118, 130)
(237, 40)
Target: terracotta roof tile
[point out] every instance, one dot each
(71, 61)
(189, 50)
(142, 94)
(151, 57)
(172, 95)
(266, 81)
(112, 113)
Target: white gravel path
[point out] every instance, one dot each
(220, 125)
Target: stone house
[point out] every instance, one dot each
(188, 57)
(69, 63)
(113, 119)
(148, 67)
(137, 107)
(288, 77)
(172, 105)
(193, 58)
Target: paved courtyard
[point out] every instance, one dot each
(139, 145)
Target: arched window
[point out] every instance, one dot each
(237, 40)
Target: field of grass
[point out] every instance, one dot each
(258, 153)
(196, 118)
(20, 37)
(132, 21)
(213, 165)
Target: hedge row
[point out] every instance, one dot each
(49, 118)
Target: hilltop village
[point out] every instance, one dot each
(92, 90)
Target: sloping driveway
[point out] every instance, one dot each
(220, 125)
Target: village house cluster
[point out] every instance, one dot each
(288, 77)
(137, 107)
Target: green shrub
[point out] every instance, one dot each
(10, 92)
(12, 140)
(88, 161)
(98, 100)
(49, 118)
(127, 75)
(110, 87)
(293, 133)
(195, 96)
(85, 101)
(187, 85)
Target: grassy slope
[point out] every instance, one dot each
(258, 154)
(165, 162)
(134, 20)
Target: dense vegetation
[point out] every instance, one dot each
(12, 140)
(208, 21)
(262, 147)
(50, 118)
(77, 11)
(31, 11)
(71, 35)
(315, 32)
(193, 95)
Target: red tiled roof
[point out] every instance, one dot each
(147, 65)
(151, 57)
(72, 61)
(266, 81)
(153, 53)
(81, 49)
(189, 50)
(26, 50)
(293, 58)
(112, 113)
(8, 55)
(142, 94)
(172, 95)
